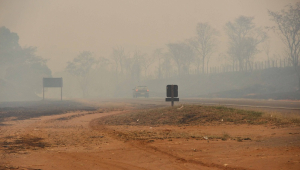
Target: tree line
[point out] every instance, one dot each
(195, 53)
(21, 70)
(243, 45)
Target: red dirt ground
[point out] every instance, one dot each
(76, 141)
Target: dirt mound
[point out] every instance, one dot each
(194, 115)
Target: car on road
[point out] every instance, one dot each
(140, 91)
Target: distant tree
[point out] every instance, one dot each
(158, 54)
(81, 67)
(101, 82)
(103, 63)
(204, 44)
(119, 57)
(183, 55)
(198, 60)
(147, 61)
(132, 65)
(137, 64)
(244, 39)
(10, 50)
(27, 71)
(266, 48)
(166, 65)
(20, 67)
(128, 65)
(288, 27)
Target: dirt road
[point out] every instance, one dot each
(74, 140)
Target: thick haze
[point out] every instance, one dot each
(62, 29)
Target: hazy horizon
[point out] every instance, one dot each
(62, 29)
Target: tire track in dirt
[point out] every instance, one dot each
(143, 145)
(34, 126)
(105, 163)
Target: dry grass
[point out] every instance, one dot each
(290, 118)
(191, 115)
(167, 134)
(198, 115)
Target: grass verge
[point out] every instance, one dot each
(196, 115)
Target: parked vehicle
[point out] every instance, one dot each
(140, 91)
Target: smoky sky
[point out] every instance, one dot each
(61, 29)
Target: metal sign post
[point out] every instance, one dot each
(172, 94)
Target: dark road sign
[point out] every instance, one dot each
(52, 82)
(169, 90)
(172, 93)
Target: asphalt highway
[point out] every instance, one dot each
(276, 104)
(260, 105)
(283, 106)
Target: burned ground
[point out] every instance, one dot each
(27, 110)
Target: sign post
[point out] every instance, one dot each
(172, 94)
(53, 82)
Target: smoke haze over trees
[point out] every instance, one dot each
(244, 38)
(204, 44)
(288, 27)
(193, 62)
(21, 70)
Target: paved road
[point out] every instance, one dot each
(269, 105)
(248, 102)
(263, 105)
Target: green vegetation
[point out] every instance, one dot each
(196, 115)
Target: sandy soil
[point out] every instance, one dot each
(76, 141)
